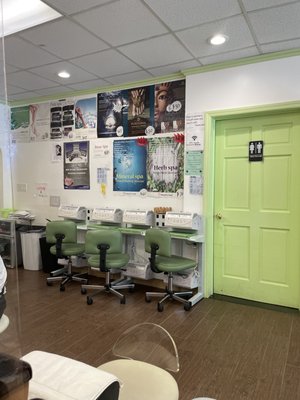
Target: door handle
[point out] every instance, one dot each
(219, 216)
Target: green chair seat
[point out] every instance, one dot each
(174, 263)
(69, 249)
(112, 261)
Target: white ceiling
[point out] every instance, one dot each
(113, 42)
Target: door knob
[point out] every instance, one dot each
(219, 216)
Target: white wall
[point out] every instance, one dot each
(32, 165)
(263, 83)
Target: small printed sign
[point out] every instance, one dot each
(256, 150)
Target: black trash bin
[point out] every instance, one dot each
(49, 261)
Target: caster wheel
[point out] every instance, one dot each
(83, 291)
(123, 301)
(187, 306)
(49, 283)
(160, 307)
(89, 300)
(147, 300)
(62, 288)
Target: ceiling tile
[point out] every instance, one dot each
(271, 24)
(127, 78)
(122, 22)
(10, 68)
(57, 90)
(64, 38)
(174, 68)
(166, 49)
(89, 85)
(51, 70)
(21, 54)
(231, 55)
(236, 28)
(251, 5)
(29, 81)
(73, 6)
(23, 96)
(179, 14)
(106, 63)
(11, 89)
(286, 45)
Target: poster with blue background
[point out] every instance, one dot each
(129, 164)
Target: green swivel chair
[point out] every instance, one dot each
(63, 236)
(158, 244)
(104, 250)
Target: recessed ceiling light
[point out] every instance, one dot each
(64, 74)
(218, 39)
(19, 15)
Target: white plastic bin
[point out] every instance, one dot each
(30, 241)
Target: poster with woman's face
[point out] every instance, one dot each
(169, 106)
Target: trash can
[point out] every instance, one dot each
(49, 261)
(31, 252)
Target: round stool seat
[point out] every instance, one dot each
(140, 380)
(4, 322)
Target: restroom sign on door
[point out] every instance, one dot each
(256, 150)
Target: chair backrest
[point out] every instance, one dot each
(66, 228)
(159, 237)
(150, 343)
(112, 237)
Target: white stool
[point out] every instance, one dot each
(4, 322)
(140, 380)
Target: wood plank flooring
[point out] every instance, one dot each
(227, 351)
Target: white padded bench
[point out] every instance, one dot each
(60, 378)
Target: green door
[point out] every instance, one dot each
(257, 210)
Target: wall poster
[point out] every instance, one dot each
(165, 165)
(112, 113)
(139, 116)
(76, 165)
(129, 166)
(86, 118)
(169, 106)
(39, 127)
(62, 119)
(19, 124)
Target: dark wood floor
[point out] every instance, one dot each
(227, 351)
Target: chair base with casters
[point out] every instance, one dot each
(109, 287)
(65, 275)
(105, 250)
(170, 294)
